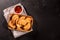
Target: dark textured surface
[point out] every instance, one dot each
(45, 12)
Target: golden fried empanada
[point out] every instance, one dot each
(20, 22)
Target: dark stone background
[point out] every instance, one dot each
(45, 12)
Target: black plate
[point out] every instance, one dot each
(6, 34)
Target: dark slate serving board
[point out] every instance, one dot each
(45, 12)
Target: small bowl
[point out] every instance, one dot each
(18, 8)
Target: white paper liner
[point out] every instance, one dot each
(10, 10)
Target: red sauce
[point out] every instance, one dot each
(18, 9)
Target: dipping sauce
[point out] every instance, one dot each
(18, 9)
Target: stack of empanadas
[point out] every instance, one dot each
(20, 22)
